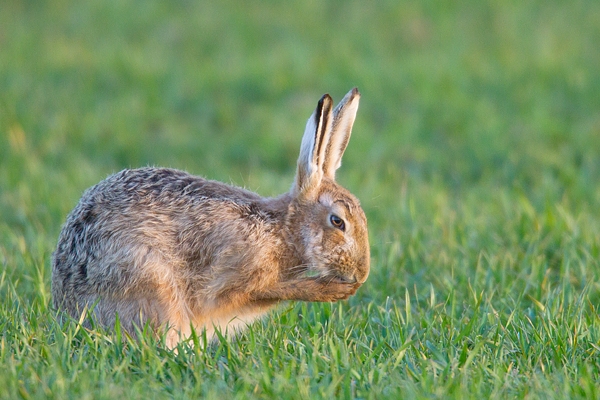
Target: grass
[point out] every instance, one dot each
(474, 155)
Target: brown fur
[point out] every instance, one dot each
(160, 246)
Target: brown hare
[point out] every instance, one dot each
(163, 247)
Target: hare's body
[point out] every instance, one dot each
(168, 246)
(160, 246)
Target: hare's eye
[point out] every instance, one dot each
(337, 222)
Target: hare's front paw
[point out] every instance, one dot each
(331, 290)
(309, 289)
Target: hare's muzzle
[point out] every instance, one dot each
(362, 273)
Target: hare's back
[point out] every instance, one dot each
(162, 186)
(149, 205)
(135, 219)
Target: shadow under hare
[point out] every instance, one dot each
(163, 247)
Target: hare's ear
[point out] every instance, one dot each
(312, 150)
(343, 119)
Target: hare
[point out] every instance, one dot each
(161, 247)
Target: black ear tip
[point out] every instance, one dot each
(324, 98)
(325, 104)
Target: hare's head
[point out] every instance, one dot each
(327, 221)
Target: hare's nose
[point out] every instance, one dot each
(362, 275)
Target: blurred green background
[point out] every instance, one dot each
(462, 94)
(474, 153)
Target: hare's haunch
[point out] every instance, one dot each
(163, 247)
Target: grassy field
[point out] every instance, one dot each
(476, 155)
